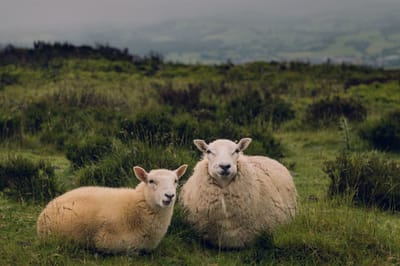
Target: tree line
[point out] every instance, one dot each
(42, 52)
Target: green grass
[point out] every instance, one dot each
(325, 232)
(329, 232)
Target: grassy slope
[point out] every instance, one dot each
(328, 232)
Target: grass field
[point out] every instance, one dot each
(74, 101)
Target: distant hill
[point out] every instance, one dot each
(367, 34)
(371, 41)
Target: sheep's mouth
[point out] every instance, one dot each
(225, 173)
(166, 202)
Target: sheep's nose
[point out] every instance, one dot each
(169, 196)
(225, 167)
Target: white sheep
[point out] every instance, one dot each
(231, 198)
(114, 220)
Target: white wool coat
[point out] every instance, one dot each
(260, 197)
(112, 220)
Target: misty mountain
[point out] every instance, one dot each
(352, 39)
(361, 32)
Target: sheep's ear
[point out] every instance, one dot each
(181, 170)
(244, 143)
(140, 173)
(201, 144)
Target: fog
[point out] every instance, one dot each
(251, 29)
(39, 16)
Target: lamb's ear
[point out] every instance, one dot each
(181, 170)
(140, 173)
(201, 145)
(244, 143)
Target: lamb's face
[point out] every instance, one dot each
(161, 184)
(222, 156)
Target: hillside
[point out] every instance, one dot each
(363, 35)
(362, 32)
(86, 115)
(351, 40)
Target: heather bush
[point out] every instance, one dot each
(10, 126)
(152, 127)
(367, 178)
(27, 180)
(384, 134)
(7, 79)
(161, 128)
(88, 150)
(252, 105)
(115, 170)
(328, 111)
(265, 143)
(187, 100)
(35, 115)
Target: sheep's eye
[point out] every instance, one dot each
(237, 150)
(151, 181)
(176, 181)
(208, 152)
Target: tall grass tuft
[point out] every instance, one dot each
(367, 178)
(26, 180)
(115, 170)
(385, 134)
(10, 126)
(88, 150)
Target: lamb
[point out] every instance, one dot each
(232, 198)
(115, 220)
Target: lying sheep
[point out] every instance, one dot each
(115, 220)
(231, 198)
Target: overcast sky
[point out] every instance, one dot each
(38, 17)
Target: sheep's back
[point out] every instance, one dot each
(79, 213)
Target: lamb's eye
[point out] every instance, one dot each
(176, 181)
(208, 152)
(151, 181)
(237, 150)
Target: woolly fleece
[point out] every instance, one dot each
(111, 220)
(261, 196)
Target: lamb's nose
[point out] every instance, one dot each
(225, 167)
(170, 196)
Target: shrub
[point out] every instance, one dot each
(115, 170)
(211, 130)
(151, 127)
(110, 171)
(27, 180)
(89, 150)
(246, 108)
(66, 126)
(188, 100)
(35, 115)
(368, 178)
(9, 126)
(186, 128)
(385, 134)
(159, 128)
(264, 143)
(328, 111)
(8, 79)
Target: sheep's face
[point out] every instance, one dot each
(161, 185)
(222, 156)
